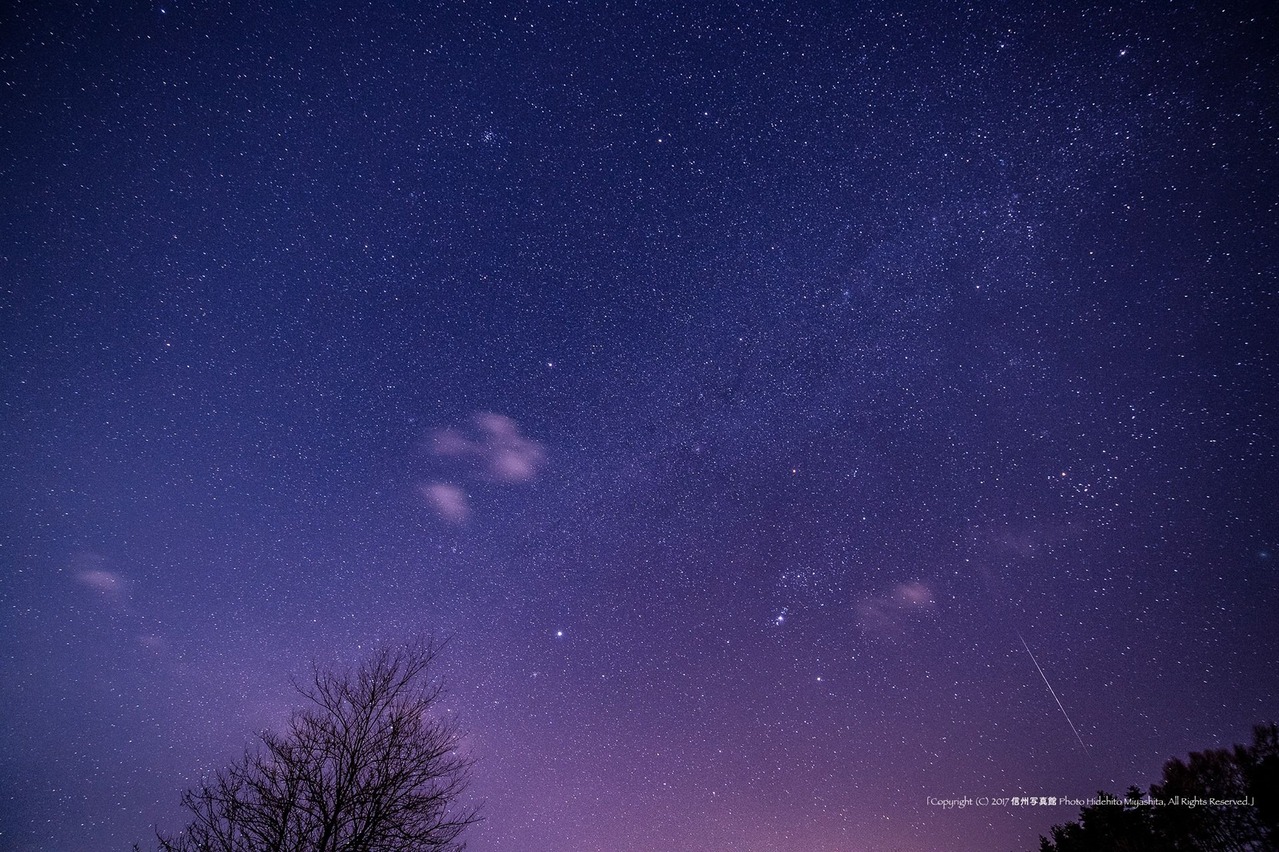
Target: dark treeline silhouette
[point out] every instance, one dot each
(1167, 821)
(366, 764)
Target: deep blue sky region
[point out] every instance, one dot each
(795, 413)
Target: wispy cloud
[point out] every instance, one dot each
(888, 612)
(87, 569)
(492, 450)
(104, 582)
(496, 446)
(448, 501)
(1028, 540)
(113, 589)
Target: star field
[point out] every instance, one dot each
(736, 384)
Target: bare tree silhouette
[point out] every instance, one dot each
(367, 765)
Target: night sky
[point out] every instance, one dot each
(737, 385)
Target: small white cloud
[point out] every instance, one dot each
(889, 611)
(451, 442)
(914, 596)
(511, 457)
(500, 451)
(448, 501)
(103, 582)
(108, 585)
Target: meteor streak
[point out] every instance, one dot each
(1051, 692)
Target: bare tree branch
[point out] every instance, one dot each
(367, 765)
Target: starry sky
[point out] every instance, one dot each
(794, 412)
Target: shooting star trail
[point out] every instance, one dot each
(1051, 692)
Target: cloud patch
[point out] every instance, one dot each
(496, 447)
(889, 612)
(448, 501)
(491, 450)
(108, 585)
(102, 582)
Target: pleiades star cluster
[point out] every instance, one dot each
(797, 415)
